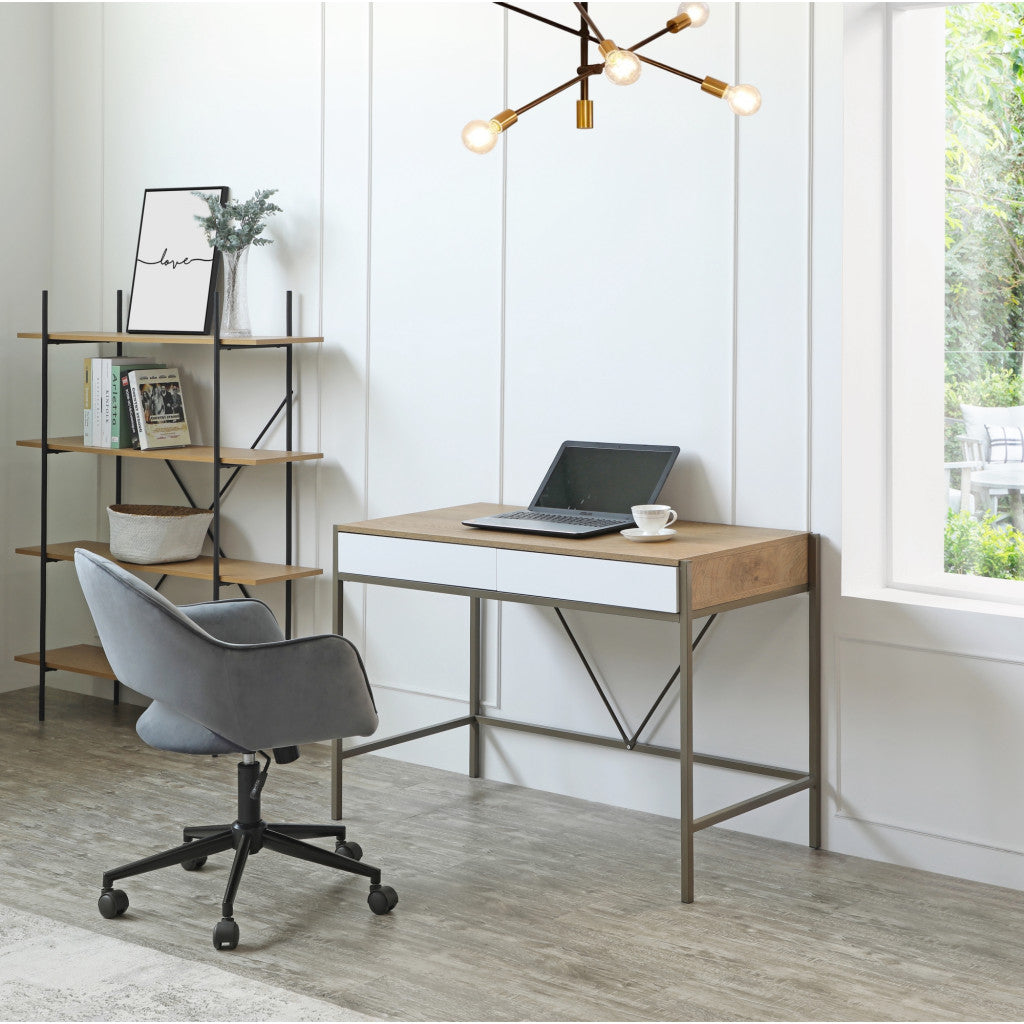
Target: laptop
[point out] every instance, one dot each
(589, 489)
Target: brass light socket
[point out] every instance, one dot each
(504, 120)
(714, 86)
(606, 46)
(584, 113)
(678, 23)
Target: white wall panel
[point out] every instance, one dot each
(969, 708)
(46, 55)
(772, 252)
(433, 377)
(435, 261)
(26, 109)
(75, 291)
(619, 258)
(341, 370)
(215, 97)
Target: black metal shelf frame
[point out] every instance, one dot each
(220, 490)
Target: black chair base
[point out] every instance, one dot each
(247, 835)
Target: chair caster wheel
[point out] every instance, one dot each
(347, 849)
(113, 903)
(193, 865)
(383, 899)
(225, 934)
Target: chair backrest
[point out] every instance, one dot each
(273, 694)
(144, 636)
(978, 418)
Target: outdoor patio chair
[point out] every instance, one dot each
(993, 446)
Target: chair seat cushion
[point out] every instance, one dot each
(165, 729)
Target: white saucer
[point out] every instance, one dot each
(635, 533)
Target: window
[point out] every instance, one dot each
(956, 300)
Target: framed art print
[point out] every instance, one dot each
(175, 266)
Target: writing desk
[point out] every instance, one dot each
(706, 569)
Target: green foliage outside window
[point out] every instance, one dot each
(984, 189)
(996, 388)
(984, 251)
(983, 548)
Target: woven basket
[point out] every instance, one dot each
(147, 534)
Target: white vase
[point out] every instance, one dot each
(234, 321)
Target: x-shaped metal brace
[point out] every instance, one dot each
(227, 485)
(629, 741)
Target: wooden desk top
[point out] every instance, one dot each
(731, 564)
(692, 541)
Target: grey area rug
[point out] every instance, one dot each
(56, 972)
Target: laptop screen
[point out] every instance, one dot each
(605, 478)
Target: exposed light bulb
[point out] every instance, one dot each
(480, 136)
(622, 67)
(698, 13)
(743, 99)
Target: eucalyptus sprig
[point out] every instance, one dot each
(233, 225)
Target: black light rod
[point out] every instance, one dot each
(554, 92)
(665, 67)
(650, 39)
(585, 15)
(584, 57)
(546, 21)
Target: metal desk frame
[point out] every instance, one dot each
(794, 780)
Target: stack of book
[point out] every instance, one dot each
(133, 403)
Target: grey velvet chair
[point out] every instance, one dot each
(223, 680)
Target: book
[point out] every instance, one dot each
(159, 408)
(120, 426)
(87, 403)
(98, 373)
(129, 405)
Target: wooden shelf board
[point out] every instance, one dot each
(104, 337)
(232, 570)
(191, 453)
(83, 658)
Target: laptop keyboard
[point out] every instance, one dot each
(554, 517)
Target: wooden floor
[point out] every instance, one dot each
(514, 904)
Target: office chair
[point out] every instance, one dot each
(223, 680)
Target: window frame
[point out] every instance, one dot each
(893, 310)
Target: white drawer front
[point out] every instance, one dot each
(594, 580)
(454, 565)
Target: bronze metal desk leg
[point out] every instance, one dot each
(685, 734)
(338, 620)
(475, 675)
(814, 794)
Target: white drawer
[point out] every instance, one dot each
(593, 580)
(454, 565)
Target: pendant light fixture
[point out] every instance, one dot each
(621, 66)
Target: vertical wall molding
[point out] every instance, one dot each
(318, 552)
(734, 441)
(809, 379)
(495, 613)
(368, 349)
(369, 264)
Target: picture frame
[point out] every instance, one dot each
(175, 266)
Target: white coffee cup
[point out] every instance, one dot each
(653, 518)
